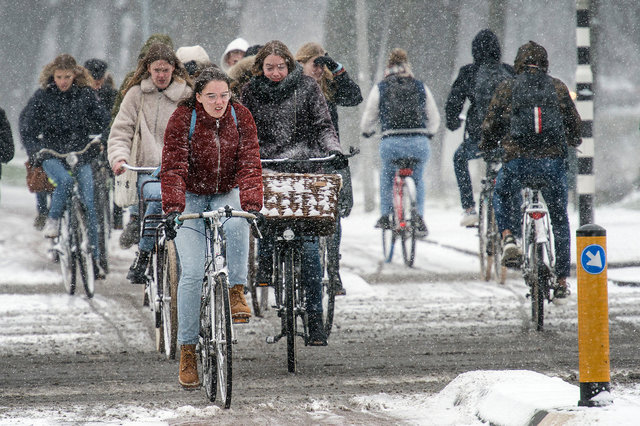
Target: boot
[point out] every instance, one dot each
(138, 269)
(335, 281)
(240, 311)
(131, 233)
(188, 375)
(317, 336)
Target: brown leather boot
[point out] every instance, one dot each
(188, 376)
(240, 311)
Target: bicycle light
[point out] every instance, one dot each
(536, 215)
(288, 234)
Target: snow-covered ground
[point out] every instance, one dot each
(475, 397)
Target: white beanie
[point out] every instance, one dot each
(237, 44)
(192, 53)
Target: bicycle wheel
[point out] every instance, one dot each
(103, 213)
(407, 219)
(169, 300)
(207, 352)
(389, 237)
(290, 305)
(538, 281)
(158, 256)
(259, 295)
(84, 252)
(66, 255)
(328, 289)
(222, 339)
(484, 237)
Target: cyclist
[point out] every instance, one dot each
(475, 82)
(218, 165)
(409, 117)
(159, 83)
(61, 115)
(534, 119)
(7, 149)
(339, 90)
(293, 121)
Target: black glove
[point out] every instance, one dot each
(328, 61)
(260, 223)
(368, 134)
(171, 225)
(339, 161)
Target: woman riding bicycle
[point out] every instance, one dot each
(409, 117)
(218, 165)
(293, 121)
(60, 116)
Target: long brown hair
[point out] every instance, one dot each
(310, 50)
(158, 52)
(274, 47)
(81, 76)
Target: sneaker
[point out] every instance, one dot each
(383, 222)
(98, 272)
(421, 230)
(188, 374)
(469, 218)
(561, 291)
(138, 270)
(39, 221)
(240, 311)
(51, 228)
(317, 335)
(511, 253)
(131, 233)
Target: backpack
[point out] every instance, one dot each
(192, 124)
(402, 103)
(488, 77)
(536, 119)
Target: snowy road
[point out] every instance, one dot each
(400, 337)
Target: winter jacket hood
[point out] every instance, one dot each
(485, 48)
(531, 54)
(221, 155)
(237, 44)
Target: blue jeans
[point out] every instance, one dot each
(508, 198)
(151, 191)
(310, 268)
(396, 147)
(64, 187)
(191, 244)
(468, 150)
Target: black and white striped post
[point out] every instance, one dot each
(585, 183)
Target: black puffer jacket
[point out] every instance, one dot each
(62, 121)
(7, 149)
(485, 49)
(291, 116)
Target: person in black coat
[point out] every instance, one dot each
(339, 90)
(61, 116)
(6, 140)
(485, 49)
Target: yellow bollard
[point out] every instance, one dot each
(593, 315)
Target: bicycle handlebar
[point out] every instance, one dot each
(95, 139)
(225, 211)
(352, 152)
(140, 169)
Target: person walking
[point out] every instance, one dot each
(159, 83)
(533, 117)
(408, 116)
(7, 149)
(293, 121)
(217, 165)
(339, 90)
(476, 83)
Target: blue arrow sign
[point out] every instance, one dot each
(593, 259)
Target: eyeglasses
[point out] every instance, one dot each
(214, 96)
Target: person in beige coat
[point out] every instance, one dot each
(159, 83)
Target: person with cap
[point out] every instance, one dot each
(409, 117)
(101, 83)
(233, 53)
(194, 59)
(533, 117)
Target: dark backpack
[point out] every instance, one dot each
(402, 103)
(536, 119)
(488, 77)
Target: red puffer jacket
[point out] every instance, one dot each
(222, 155)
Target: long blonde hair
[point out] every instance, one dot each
(81, 76)
(310, 50)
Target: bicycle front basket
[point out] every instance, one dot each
(307, 202)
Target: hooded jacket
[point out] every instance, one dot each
(237, 44)
(220, 156)
(531, 57)
(291, 115)
(485, 49)
(156, 111)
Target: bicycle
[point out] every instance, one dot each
(161, 286)
(216, 326)
(405, 219)
(490, 250)
(102, 188)
(72, 248)
(538, 263)
(299, 207)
